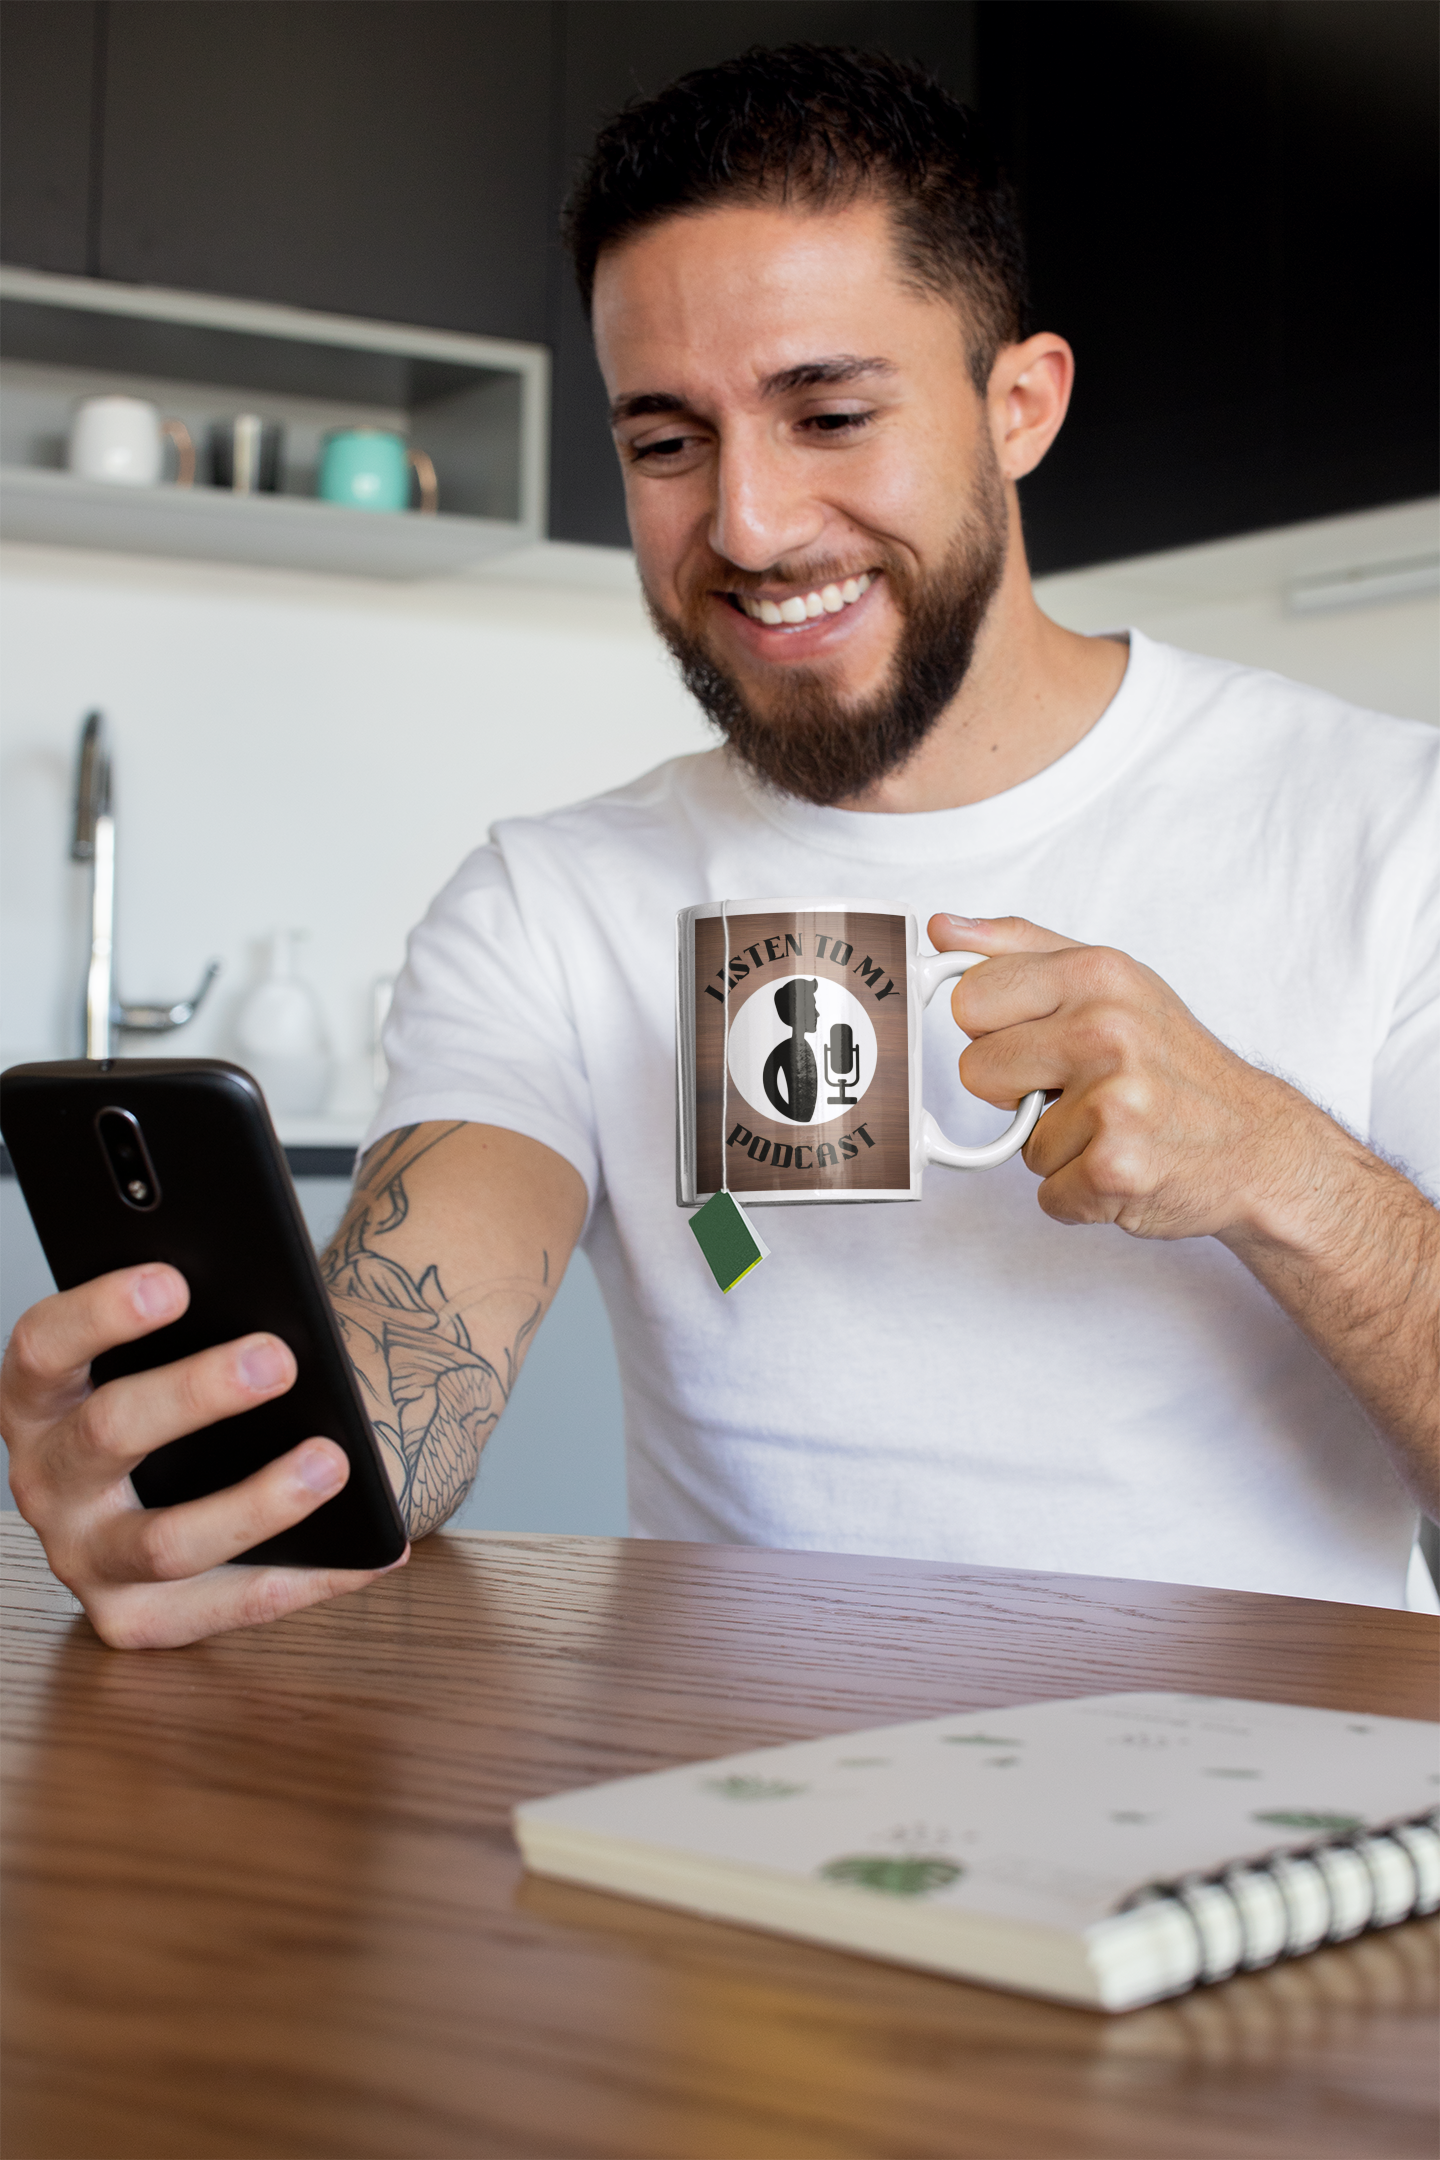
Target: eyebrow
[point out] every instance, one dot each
(842, 368)
(647, 401)
(838, 368)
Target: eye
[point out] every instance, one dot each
(838, 423)
(664, 451)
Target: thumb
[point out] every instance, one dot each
(996, 934)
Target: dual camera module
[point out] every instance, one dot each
(128, 1159)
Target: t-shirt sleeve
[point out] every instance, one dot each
(481, 1027)
(1406, 1078)
(1405, 1103)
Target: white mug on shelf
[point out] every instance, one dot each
(122, 440)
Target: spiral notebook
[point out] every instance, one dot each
(1109, 1850)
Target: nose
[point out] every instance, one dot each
(764, 509)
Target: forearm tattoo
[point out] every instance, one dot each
(434, 1397)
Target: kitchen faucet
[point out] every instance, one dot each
(94, 842)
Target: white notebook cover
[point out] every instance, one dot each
(998, 1843)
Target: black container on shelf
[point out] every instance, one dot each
(244, 455)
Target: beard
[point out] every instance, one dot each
(809, 743)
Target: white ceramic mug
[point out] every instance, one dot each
(122, 440)
(799, 1054)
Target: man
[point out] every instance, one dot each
(807, 296)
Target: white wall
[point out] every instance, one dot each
(1229, 599)
(292, 751)
(321, 752)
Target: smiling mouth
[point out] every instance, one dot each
(803, 607)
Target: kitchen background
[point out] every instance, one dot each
(1231, 208)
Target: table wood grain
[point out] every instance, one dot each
(263, 1900)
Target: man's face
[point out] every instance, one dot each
(818, 516)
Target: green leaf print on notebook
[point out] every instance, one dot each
(1305, 1819)
(913, 1875)
(751, 1788)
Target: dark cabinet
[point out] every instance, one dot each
(1232, 216)
(1231, 206)
(378, 159)
(48, 88)
(1355, 141)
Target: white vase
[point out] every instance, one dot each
(281, 1036)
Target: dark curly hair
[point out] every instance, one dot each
(818, 125)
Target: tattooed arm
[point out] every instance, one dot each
(452, 1247)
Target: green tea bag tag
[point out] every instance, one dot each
(724, 1234)
(723, 1231)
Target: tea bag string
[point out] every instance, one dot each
(725, 1046)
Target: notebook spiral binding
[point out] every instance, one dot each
(1255, 1912)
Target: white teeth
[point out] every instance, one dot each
(805, 607)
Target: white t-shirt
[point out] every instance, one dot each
(962, 1378)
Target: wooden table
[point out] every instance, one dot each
(263, 1899)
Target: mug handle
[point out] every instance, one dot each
(930, 972)
(180, 435)
(429, 487)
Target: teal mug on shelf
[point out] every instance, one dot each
(368, 468)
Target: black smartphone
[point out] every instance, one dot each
(126, 1160)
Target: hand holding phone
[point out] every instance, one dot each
(152, 1578)
(156, 1575)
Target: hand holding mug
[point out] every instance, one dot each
(1158, 1128)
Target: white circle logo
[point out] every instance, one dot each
(802, 1050)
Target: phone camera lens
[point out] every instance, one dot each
(123, 1145)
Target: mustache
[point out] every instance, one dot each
(804, 741)
(802, 575)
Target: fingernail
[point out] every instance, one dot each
(321, 1469)
(967, 922)
(264, 1366)
(155, 1293)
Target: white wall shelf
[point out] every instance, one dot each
(478, 406)
(283, 531)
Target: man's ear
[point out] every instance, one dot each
(1029, 394)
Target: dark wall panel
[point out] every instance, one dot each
(1355, 156)
(47, 109)
(618, 49)
(1231, 211)
(390, 158)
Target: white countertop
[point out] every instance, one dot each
(327, 1132)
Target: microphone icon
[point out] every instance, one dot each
(842, 1055)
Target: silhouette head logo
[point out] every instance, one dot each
(791, 1078)
(777, 1060)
